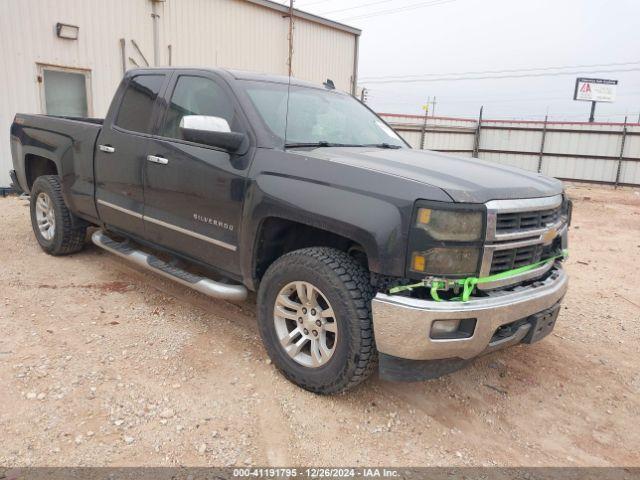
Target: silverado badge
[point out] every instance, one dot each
(213, 221)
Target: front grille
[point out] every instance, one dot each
(511, 258)
(519, 221)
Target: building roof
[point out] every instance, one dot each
(307, 16)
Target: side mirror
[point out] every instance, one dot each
(213, 131)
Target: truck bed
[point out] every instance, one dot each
(68, 142)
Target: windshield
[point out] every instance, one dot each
(318, 116)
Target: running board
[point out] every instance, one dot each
(233, 293)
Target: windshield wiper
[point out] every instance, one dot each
(321, 143)
(306, 144)
(383, 145)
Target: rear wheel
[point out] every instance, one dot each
(57, 230)
(315, 319)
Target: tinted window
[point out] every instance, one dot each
(137, 104)
(196, 96)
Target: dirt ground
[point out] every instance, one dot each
(105, 365)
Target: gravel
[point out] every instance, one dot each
(101, 364)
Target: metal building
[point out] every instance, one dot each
(66, 57)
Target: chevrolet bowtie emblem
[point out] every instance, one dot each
(549, 235)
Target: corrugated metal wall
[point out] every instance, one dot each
(571, 150)
(238, 34)
(27, 36)
(225, 33)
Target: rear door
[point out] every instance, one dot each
(194, 193)
(122, 150)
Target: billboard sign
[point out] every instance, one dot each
(595, 90)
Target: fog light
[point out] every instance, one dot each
(452, 329)
(440, 327)
(462, 261)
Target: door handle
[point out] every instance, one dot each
(106, 148)
(157, 159)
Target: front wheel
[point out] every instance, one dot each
(314, 313)
(57, 230)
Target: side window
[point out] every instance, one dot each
(196, 96)
(137, 103)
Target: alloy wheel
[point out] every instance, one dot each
(305, 324)
(45, 216)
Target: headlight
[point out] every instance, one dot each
(457, 226)
(445, 241)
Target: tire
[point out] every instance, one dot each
(343, 284)
(68, 233)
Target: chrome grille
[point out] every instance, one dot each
(511, 258)
(504, 260)
(519, 221)
(521, 232)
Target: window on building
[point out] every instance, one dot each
(137, 103)
(196, 96)
(65, 92)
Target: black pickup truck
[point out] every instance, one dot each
(363, 251)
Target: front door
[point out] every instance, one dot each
(194, 192)
(121, 155)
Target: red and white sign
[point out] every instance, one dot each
(595, 90)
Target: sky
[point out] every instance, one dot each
(408, 38)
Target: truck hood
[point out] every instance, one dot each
(463, 179)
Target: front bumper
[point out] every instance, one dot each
(402, 325)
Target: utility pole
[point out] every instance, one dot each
(423, 134)
(593, 111)
(544, 136)
(290, 38)
(621, 156)
(433, 110)
(476, 140)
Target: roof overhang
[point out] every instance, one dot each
(307, 16)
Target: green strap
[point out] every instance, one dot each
(435, 286)
(468, 284)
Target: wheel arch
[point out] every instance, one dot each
(377, 222)
(277, 235)
(36, 165)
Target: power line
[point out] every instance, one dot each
(493, 77)
(314, 3)
(517, 70)
(368, 4)
(398, 10)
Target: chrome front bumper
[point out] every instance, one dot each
(402, 325)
